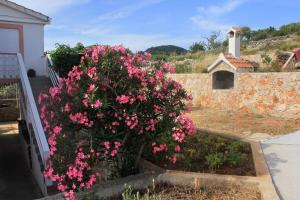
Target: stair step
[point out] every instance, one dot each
(39, 84)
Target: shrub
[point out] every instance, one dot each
(197, 46)
(215, 161)
(183, 68)
(65, 57)
(266, 59)
(114, 104)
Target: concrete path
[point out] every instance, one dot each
(283, 158)
(16, 182)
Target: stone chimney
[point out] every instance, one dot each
(234, 38)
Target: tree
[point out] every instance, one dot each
(197, 46)
(212, 42)
(65, 57)
(103, 107)
(246, 33)
(225, 43)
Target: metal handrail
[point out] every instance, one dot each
(51, 72)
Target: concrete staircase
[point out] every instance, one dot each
(39, 84)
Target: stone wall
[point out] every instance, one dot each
(276, 94)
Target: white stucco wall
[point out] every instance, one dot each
(34, 48)
(33, 32)
(234, 46)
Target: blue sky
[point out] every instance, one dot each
(139, 24)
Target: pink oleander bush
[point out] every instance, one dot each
(112, 106)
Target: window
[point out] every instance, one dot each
(223, 80)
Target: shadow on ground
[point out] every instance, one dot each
(16, 182)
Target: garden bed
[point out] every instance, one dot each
(211, 154)
(165, 191)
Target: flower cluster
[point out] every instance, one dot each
(113, 102)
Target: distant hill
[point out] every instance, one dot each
(167, 49)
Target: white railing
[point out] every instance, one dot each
(32, 112)
(51, 72)
(8, 66)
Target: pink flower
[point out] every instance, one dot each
(54, 91)
(41, 97)
(107, 145)
(177, 148)
(113, 153)
(97, 104)
(67, 107)
(91, 87)
(85, 103)
(92, 72)
(117, 144)
(57, 129)
(159, 75)
(123, 99)
(61, 187)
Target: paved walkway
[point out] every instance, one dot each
(16, 182)
(283, 158)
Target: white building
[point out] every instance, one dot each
(22, 31)
(21, 49)
(226, 66)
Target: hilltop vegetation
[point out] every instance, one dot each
(166, 49)
(267, 54)
(255, 35)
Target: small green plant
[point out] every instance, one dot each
(266, 59)
(215, 161)
(236, 147)
(129, 194)
(236, 159)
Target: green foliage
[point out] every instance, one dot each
(236, 159)
(65, 57)
(292, 28)
(246, 33)
(204, 152)
(8, 91)
(159, 57)
(215, 161)
(213, 42)
(166, 50)
(197, 46)
(183, 69)
(266, 59)
(225, 43)
(130, 194)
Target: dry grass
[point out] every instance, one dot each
(238, 122)
(210, 193)
(166, 191)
